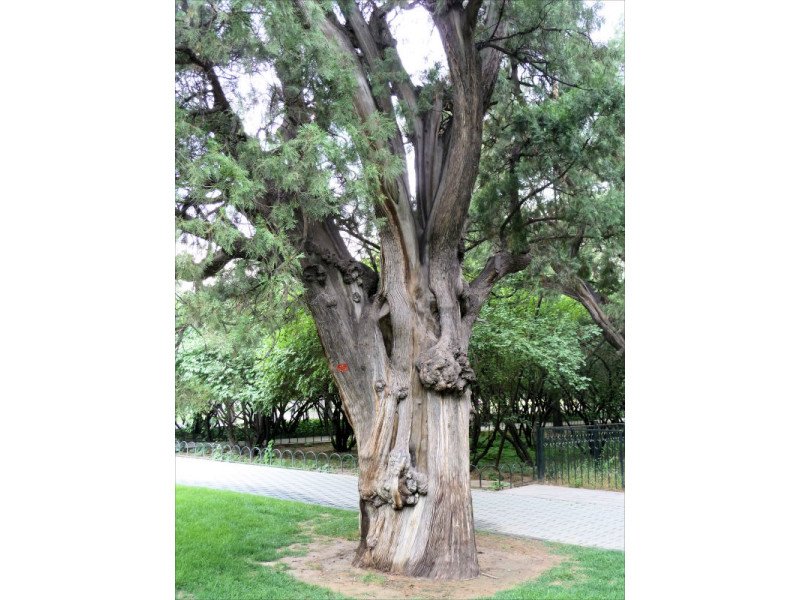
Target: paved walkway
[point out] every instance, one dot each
(556, 514)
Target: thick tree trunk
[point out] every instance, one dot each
(402, 375)
(416, 505)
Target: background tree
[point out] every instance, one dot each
(603, 399)
(529, 354)
(296, 372)
(561, 174)
(217, 339)
(215, 385)
(321, 190)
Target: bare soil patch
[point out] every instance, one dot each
(504, 562)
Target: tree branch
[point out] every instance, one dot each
(580, 290)
(221, 102)
(222, 258)
(495, 269)
(491, 57)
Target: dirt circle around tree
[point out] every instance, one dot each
(504, 561)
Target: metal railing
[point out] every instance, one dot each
(302, 439)
(332, 462)
(587, 456)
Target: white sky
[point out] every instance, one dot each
(614, 13)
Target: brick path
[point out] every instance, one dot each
(571, 516)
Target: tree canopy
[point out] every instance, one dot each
(551, 178)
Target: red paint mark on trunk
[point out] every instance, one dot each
(341, 367)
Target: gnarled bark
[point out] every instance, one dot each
(404, 388)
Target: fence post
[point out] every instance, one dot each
(622, 454)
(540, 452)
(597, 449)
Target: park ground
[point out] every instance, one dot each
(231, 545)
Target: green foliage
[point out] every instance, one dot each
(294, 365)
(603, 399)
(213, 374)
(331, 165)
(216, 356)
(518, 337)
(538, 358)
(552, 170)
(310, 428)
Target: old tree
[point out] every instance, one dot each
(305, 150)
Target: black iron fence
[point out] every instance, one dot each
(585, 456)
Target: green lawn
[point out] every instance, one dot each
(585, 574)
(222, 537)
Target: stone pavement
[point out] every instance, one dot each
(571, 516)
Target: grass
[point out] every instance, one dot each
(374, 578)
(585, 574)
(221, 539)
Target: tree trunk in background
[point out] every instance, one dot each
(261, 429)
(229, 427)
(209, 416)
(558, 416)
(197, 425)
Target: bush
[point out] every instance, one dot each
(310, 428)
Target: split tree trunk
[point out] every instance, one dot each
(397, 344)
(403, 381)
